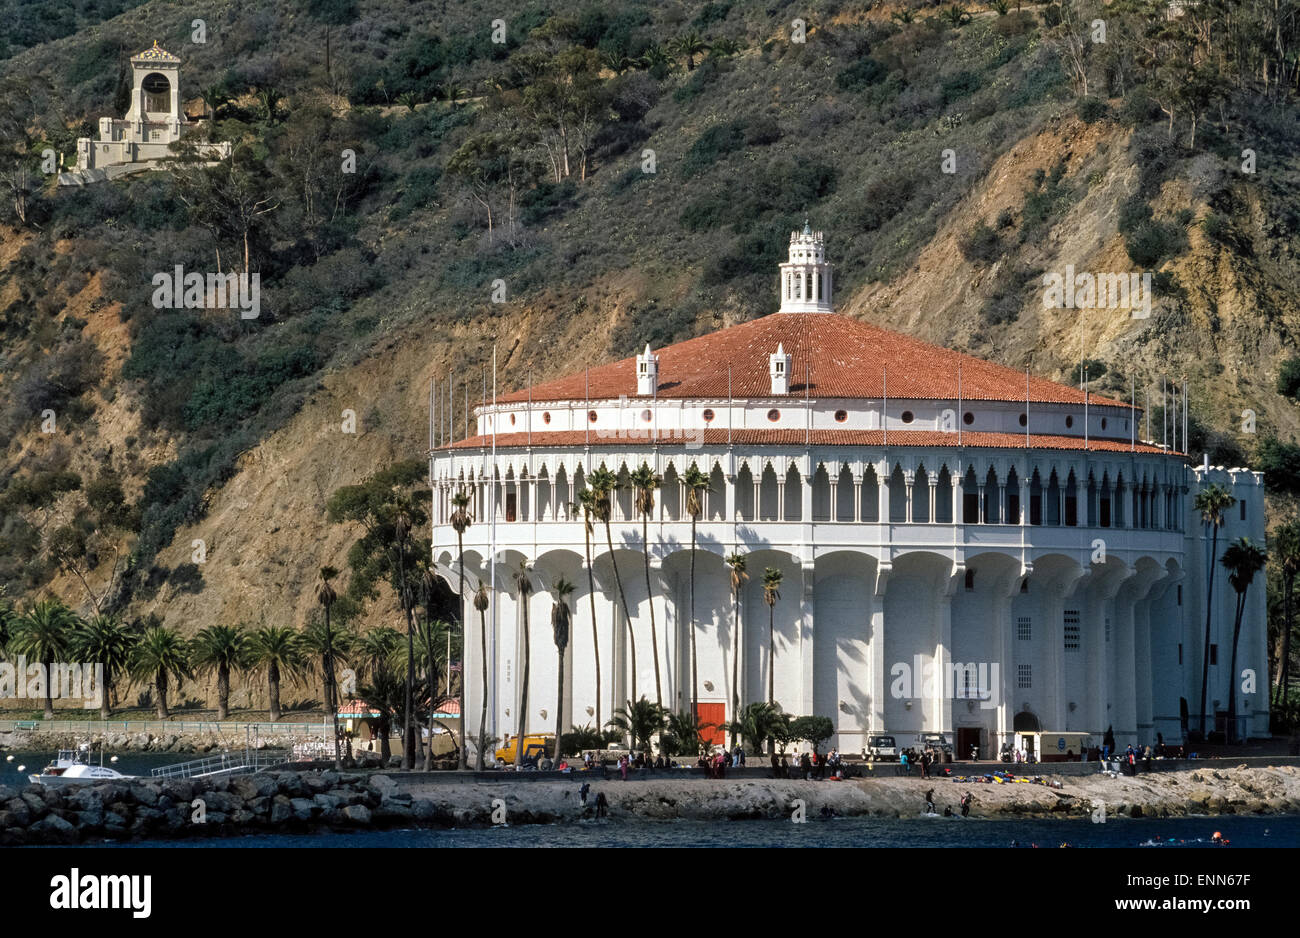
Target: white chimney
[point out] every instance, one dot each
(779, 369)
(647, 372)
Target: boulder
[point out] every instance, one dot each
(145, 793)
(423, 809)
(357, 814)
(302, 808)
(181, 789)
(383, 784)
(19, 811)
(35, 803)
(55, 828)
(281, 809)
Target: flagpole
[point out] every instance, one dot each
(1132, 423)
(807, 432)
(1164, 414)
(729, 415)
(884, 410)
(1027, 444)
(1085, 407)
(586, 394)
(493, 550)
(959, 414)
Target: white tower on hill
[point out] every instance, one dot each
(806, 277)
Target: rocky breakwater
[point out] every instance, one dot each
(281, 802)
(184, 742)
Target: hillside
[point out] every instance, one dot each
(176, 425)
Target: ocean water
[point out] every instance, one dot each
(1180, 833)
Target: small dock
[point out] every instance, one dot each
(228, 763)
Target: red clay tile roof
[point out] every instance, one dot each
(842, 357)
(718, 437)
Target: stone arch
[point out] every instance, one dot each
(1013, 497)
(715, 501)
(821, 495)
(970, 497)
(844, 492)
(943, 496)
(745, 507)
(793, 507)
(870, 495)
(670, 494)
(768, 491)
(897, 495)
(1026, 722)
(992, 508)
(921, 496)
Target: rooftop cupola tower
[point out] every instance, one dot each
(647, 372)
(806, 277)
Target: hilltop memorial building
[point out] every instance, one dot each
(928, 509)
(154, 122)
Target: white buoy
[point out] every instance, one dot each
(9, 758)
(113, 759)
(21, 768)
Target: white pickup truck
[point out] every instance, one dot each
(881, 747)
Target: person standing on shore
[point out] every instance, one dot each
(805, 767)
(965, 804)
(929, 801)
(622, 767)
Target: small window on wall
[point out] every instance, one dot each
(708, 415)
(1071, 630)
(1180, 653)
(774, 415)
(968, 418)
(591, 416)
(1214, 654)
(841, 416)
(1108, 628)
(1243, 510)
(1024, 585)
(908, 416)
(970, 579)
(1180, 595)
(1024, 419)
(1024, 628)
(1069, 422)
(1025, 676)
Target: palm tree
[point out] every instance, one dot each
(1211, 501)
(616, 61)
(1286, 548)
(523, 587)
(738, 576)
(604, 483)
(104, 640)
(220, 649)
(685, 730)
(408, 100)
(43, 634)
(689, 46)
(588, 498)
(726, 47)
(771, 593)
(655, 56)
(278, 650)
(327, 597)
(903, 16)
(696, 482)
(375, 648)
(639, 720)
(461, 520)
(758, 721)
(215, 97)
(645, 482)
(955, 16)
(1243, 560)
(481, 604)
(160, 656)
(402, 531)
(385, 693)
(561, 619)
(434, 636)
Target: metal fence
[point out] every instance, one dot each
(157, 727)
(228, 763)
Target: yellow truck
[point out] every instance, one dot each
(535, 746)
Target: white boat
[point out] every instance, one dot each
(73, 767)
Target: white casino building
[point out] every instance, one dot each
(926, 507)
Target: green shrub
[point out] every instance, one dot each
(981, 244)
(714, 144)
(863, 73)
(1288, 378)
(1091, 110)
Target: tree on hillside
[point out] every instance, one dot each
(43, 634)
(279, 652)
(1211, 502)
(388, 507)
(104, 640)
(222, 650)
(160, 657)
